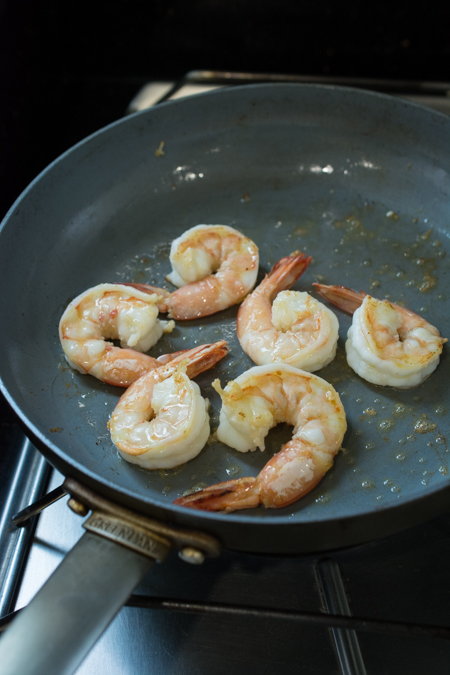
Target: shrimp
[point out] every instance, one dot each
(162, 420)
(296, 329)
(214, 267)
(254, 403)
(117, 312)
(386, 344)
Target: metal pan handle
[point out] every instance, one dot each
(55, 632)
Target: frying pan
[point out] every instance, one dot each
(358, 180)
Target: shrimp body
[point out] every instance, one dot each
(254, 403)
(107, 312)
(275, 325)
(162, 419)
(386, 344)
(214, 267)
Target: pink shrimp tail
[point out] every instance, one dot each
(343, 297)
(285, 273)
(232, 495)
(202, 358)
(167, 358)
(124, 366)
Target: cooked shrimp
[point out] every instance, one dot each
(386, 344)
(254, 403)
(214, 267)
(296, 329)
(112, 311)
(162, 420)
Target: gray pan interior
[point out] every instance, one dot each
(358, 180)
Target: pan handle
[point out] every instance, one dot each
(54, 633)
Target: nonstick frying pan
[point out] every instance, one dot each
(358, 180)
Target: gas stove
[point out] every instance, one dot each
(244, 613)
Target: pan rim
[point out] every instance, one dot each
(232, 518)
(215, 93)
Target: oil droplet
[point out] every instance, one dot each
(379, 498)
(388, 482)
(440, 410)
(323, 499)
(370, 412)
(359, 400)
(386, 424)
(410, 438)
(370, 446)
(402, 441)
(233, 470)
(166, 490)
(196, 488)
(401, 457)
(422, 460)
(423, 426)
(443, 470)
(367, 484)
(395, 488)
(399, 408)
(440, 439)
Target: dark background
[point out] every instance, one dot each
(69, 68)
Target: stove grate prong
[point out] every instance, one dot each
(22, 517)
